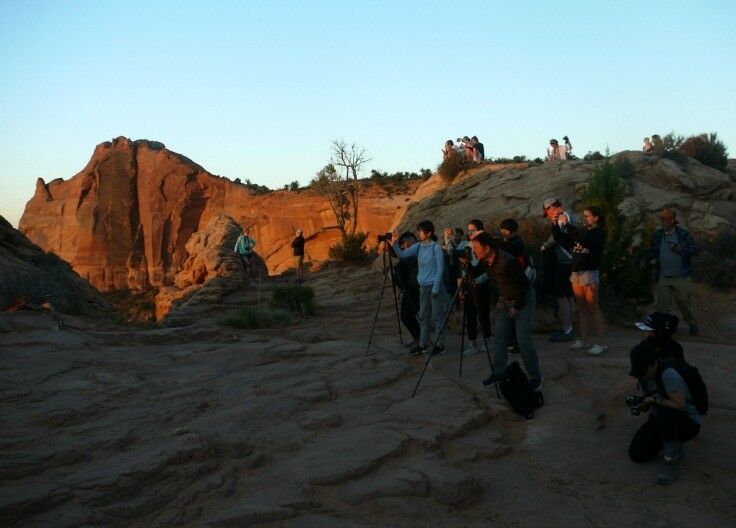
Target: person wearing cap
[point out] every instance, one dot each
(297, 246)
(587, 253)
(673, 418)
(561, 286)
(672, 250)
(660, 327)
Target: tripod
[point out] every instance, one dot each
(468, 286)
(387, 265)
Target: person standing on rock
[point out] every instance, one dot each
(406, 273)
(244, 249)
(587, 252)
(478, 306)
(672, 250)
(430, 276)
(516, 302)
(561, 285)
(297, 246)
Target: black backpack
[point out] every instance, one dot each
(693, 380)
(518, 391)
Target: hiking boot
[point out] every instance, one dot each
(597, 350)
(537, 384)
(561, 337)
(438, 350)
(490, 381)
(668, 473)
(410, 346)
(470, 350)
(579, 345)
(417, 350)
(693, 329)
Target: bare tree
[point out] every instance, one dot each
(328, 183)
(349, 159)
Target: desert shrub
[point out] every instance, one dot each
(672, 141)
(707, 149)
(626, 274)
(593, 156)
(251, 317)
(137, 306)
(716, 263)
(351, 249)
(49, 280)
(294, 297)
(453, 165)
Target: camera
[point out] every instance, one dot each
(385, 238)
(466, 252)
(634, 402)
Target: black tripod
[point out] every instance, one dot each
(387, 270)
(467, 285)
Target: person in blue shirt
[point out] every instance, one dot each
(244, 249)
(430, 276)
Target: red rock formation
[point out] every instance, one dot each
(125, 219)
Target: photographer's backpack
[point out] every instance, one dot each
(517, 390)
(692, 379)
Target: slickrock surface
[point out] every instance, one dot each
(202, 425)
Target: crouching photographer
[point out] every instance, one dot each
(674, 394)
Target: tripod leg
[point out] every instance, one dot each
(396, 302)
(462, 339)
(378, 308)
(436, 340)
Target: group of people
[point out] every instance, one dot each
(429, 271)
(465, 146)
(244, 251)
(555, 151)
(655, 145)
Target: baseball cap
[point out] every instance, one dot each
(659, 322)
(549, 202)
(642, 356)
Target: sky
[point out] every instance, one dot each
(258, 90)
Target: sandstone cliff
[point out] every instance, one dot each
(125, 219)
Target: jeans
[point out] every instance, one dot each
(668, 429)
(409, 308)
(523, 323)
(431, 309)
(480, 311)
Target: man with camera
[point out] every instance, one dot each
(674, 413)
(477, 303)
(516, 303)
(406, 280)
(561, 285)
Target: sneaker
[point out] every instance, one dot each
(470, 350)
(693, 329)
(668, 473)
(438, 350)
(410, 346)
(417, 350)
(561, 337)
(537, 384)
(579, 345)
(597, 350)
(489, 381)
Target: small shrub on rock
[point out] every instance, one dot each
(295, 298)
(351, 249)
(716, 264)
(453, 165)
(707, 149)
(250, 317)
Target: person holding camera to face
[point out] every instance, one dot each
(430, 273)
(406, 274)
(674, 395)
(516, 303)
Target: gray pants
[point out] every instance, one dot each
(523, 337)
(431, 309)
(681, 290)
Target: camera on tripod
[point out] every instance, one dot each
(466, 252)
(634, 402)
(385, 238)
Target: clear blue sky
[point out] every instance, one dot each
(258, 89)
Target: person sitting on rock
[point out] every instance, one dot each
(244, 249)
(657, 145)
(673, 413)
(479, 152)
(297, 246)
(459, 146)
(647, 147)
(468, 147)
(449, 149)
(555, 152)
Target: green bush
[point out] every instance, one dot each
(594, 156)
(707, 149)
(351, 249)
(49, 280)
(295, 298)
(250, 317)
(454, 165)
(626, 274)
(716, 264)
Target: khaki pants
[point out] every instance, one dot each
(679, 288)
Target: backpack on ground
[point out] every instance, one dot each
(692, 379)
(517, 390)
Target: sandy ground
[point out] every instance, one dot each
(203, 425)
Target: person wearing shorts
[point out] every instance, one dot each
(588, 243)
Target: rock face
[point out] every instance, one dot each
(29, 276)
(126, 218)
(704, 198)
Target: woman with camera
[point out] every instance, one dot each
(432, 296)
(588, 243)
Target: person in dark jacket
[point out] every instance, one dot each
(586, 260)
(660, 327)
(297, 246)
(406, 272)
(511, 243)
(672, 250)
(516, 302)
